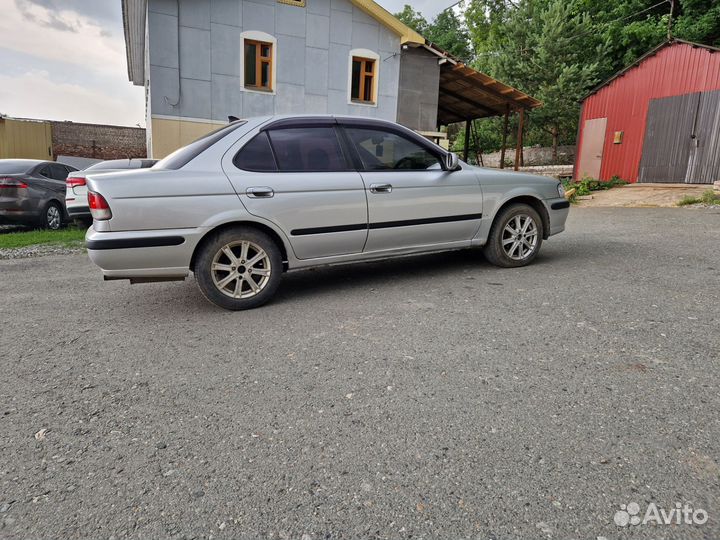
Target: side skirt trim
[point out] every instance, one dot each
(384, 224)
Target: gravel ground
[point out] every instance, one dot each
(39, 250)
(427, 397)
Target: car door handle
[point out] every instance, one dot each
(259, 192)
(381, 188)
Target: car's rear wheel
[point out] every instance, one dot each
(239, 268)
(515, 237)
(52, 217)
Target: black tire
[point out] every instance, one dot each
(210, 280)
(494, 250)
(84, 221)
(52, 217)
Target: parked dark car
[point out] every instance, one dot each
(32, 192)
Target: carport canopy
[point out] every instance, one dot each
(467, 94)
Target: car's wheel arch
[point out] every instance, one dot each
(55, 201)
(270, 231)
(535, 203)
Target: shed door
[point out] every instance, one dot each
(668, 133)
(592, 148)
(704, 162)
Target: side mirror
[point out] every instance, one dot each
(452, 161)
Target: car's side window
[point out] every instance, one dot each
(381, 150)
(256, 155)
(45, 171)
(58, 172)
(307, 149)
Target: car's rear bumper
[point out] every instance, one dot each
(19, 208)
(10, 216)
(78, 211)
(558, 210)
(143, 254)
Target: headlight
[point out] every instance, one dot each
(561, 190)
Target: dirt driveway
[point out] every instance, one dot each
(644, 195)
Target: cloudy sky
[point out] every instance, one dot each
(65, 60)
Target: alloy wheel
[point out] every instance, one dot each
(241, 269)
(53, 217)
(520, 237)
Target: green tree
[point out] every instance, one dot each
(413, 19)
(446, 31)
(699, 21)
(449, 33)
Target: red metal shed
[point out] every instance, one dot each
(658, 120)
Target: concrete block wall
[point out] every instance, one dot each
(533, 156)
(195, 58)
(97, 141)
(419, 87)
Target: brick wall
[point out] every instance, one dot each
(97, 141)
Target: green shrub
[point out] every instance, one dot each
(708, 197)
(587, 185)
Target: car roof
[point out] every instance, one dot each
(27, 162)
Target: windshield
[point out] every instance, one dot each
(180, 157)
(15, 167)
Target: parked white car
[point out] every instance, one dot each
(76, 200)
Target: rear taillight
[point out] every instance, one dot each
(72, 182)
(12, 183)
(99, 208)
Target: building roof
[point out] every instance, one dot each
(468, 94)
(651, 52)
(384, 17)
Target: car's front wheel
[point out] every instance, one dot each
(515, 237)
(239, 268)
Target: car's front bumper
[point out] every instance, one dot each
(159, 254)
(558, 210)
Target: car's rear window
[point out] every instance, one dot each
(182, 156)
(112, 164)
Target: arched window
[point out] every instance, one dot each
(364, 69)
(258, 63)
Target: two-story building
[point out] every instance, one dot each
(202, 61)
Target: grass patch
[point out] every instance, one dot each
(587, 185)
(70, 237)
(708, 197)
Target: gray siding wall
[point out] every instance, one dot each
(203, 52)
(418, 92)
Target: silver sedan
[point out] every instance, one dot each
(261, 196)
